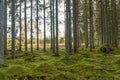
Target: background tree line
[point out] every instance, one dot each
(88, 23)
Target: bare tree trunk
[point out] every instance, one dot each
(114, 23)
(91, 25)
(2, 31)
(106, 26)
(70, 29)
(25, 27)
(37, 26)
(31, 27)
(75, 25)
(51, 19)
(57, 31)
(67, 32)
(13, 29)
(20, 28)
(44, 49)
(101, 30)
(5, 29)
(86, 23)
(53, 29)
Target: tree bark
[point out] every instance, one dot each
(44, 49)
(57, 30)
(13, 29)
(25, 27)
(67, 30)
(75, 25)
(2, 31)
(37, 25)
(5, 29)
(31, 27)
(20, 28)
(91, 25)
(51, 26)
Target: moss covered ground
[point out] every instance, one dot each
(83, 65)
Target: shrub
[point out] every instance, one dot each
(103, 48)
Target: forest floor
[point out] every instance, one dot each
(83, 65)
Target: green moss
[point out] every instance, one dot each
(3, 65)
(2, 76)
(84, 65)
(45, 68)
(65, 76)
(15, 72)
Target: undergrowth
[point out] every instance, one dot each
(84, 65)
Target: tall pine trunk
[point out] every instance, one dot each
(70, 28)
(106, 4)
(44, 49)
(2, 31)
(13, 29)
(51, 23)
(20, 28)
(31, 27)
(5, 29)
(57, 30)
(37, 25)
(91, 25)
(75, 25)
(86, 23)
(67, 32)
(53, 28)
(25, 26)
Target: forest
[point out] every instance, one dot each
(59, 40)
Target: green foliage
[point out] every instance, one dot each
(62, 40)
(103, 48)
(16, 43)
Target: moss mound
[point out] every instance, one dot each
(44, 71)
(65, 76)
(16, 72)
(81, 68)
(2, 76)
(84, 65)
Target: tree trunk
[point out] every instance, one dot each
(5, 29)
(2, 31)
(75, 25)
(70, 31)
(44, 49)
(20, 28)
(57, 31)
(67, 32)
(86, 23)
(51, 26)
(31, 28)
(25, 27)
(13, 29)
(91, 25)
(53, 29)
(106, 26)
(37, 25)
